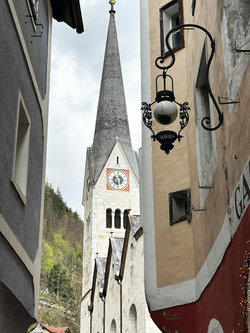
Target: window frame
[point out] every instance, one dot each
(165, 53)
(207, 158)
(21, 150)
(178, 195)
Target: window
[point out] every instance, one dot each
(132, 319)
(171, 15)
(109, 218)
(206, 144)
(125, 218)
(180, 206)
(117, 218)
(21, 158)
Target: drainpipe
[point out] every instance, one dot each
(104, 312)
(90, 308)
(118, 279)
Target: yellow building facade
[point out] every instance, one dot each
(195, 200)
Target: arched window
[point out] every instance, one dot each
(132, 319)
(117, 218)
(125, 218)
(109, 218)
(113, 327)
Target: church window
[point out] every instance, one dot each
(117, 160)
(125, 218)
(132, 319)
(117, 218)
(109, 218)
(113, 327)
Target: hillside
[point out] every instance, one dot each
(61, 267)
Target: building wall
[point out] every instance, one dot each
(165, 175)
(24, 63)
(190, 258)
(96, 235)
(96, 201)
(132, 295)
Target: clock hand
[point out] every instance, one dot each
(118, 179)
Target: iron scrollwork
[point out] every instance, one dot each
(207, 120)
(167, 138)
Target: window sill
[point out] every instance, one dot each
(177, 48)
(19, 191)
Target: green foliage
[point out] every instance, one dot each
(59, 282)
(61, 263)
(48, 259)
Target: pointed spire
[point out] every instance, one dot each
(111, 121)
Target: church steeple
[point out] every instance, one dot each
(111, 121)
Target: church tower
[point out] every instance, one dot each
(111, 182)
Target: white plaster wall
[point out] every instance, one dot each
(112, 300)
(235, 28)
(97, 319)
(96, 235)
(85, 316)
(117, 199)
(132, 293)
(133, 288)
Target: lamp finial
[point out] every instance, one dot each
(112, 3)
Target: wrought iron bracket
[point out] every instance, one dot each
(206, 122)
(147, 117)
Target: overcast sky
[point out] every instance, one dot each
(76, 68)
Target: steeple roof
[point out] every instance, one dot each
(111, 121)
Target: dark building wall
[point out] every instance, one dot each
(21, 281)
(17, 282)
(13, 316)
(24, 220)
(36, 38)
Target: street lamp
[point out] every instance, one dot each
(165, 111)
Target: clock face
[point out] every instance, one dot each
(117, 179)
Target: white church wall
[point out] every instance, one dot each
(97, 316)
(114, 199)
(133, 288)
(112, 300)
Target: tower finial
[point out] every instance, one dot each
(112, 3)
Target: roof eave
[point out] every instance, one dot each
(68, 11)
